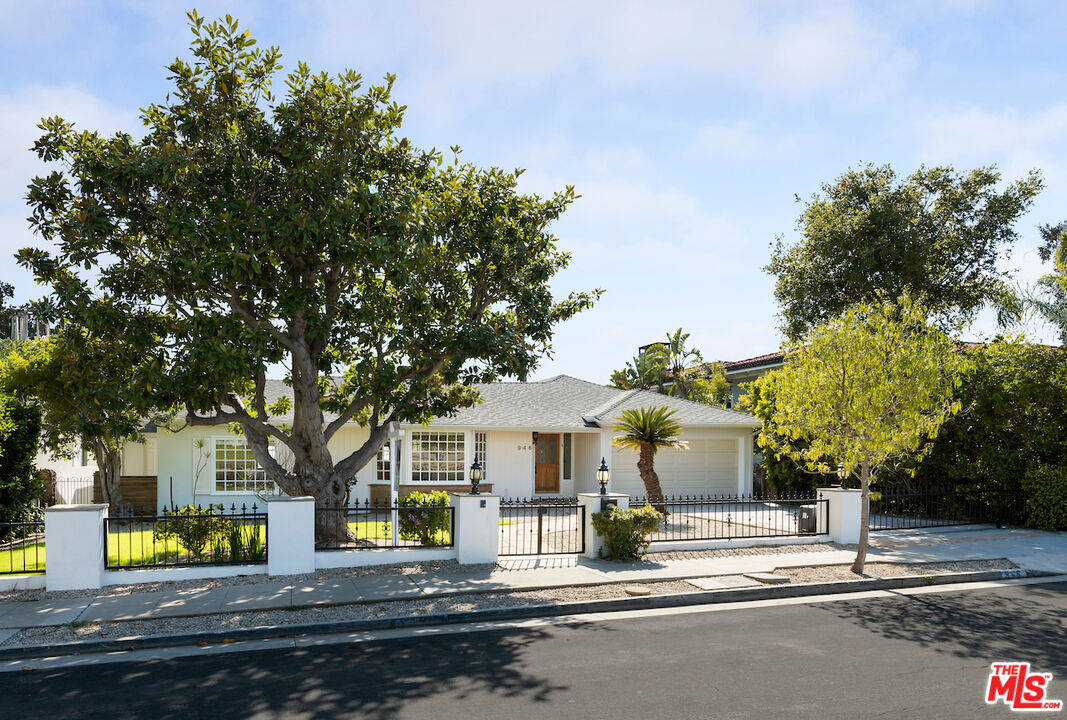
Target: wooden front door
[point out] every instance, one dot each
(546, 464)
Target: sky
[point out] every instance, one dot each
(688, 129)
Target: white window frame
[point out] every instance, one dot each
(481, 452)
(269, 489)
(456, 445)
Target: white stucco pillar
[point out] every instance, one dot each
(74, 546)
(476, 527)
(844, 511)
(290, 535)
(592, 504)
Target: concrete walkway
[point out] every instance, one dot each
(1033, 550)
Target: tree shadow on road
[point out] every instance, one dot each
(371, 679)
(989, 627)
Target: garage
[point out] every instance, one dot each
(708, 467)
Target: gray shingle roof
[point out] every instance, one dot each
(563, 401)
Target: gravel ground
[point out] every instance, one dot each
(399, 608)
(738, 552)
(833, 573)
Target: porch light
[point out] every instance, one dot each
(475, 475)
(602, 476)
(842, 475)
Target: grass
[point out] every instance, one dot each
(29, 559)
(132, 545)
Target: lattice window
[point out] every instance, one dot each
(383, 467)
(437, 457)
(481, 452)
(236, 468)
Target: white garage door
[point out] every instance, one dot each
(708, 467)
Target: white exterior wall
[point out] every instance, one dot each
(718, 462)
(140, 458)
(586, 462)
(511, 463)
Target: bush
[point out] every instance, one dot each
(1046, 490)
(20, 486)
(429, 523)
(626, 532)
(193, 527)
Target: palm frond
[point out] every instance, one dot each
(650, 425)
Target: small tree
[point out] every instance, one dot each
(87, 392)
(646, 430)
(867, 389)
(20, 485)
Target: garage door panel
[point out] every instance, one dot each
(709, 467)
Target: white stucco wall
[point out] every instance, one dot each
(511, 458)
(586, 462)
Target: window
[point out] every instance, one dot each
(383, 467)
(566, 456)
(481, 452)
(437, 457)
(236, 469)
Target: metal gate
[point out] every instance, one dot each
(542, 526)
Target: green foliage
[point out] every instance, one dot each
(1013, 418)
(1046, 490)
(937, 233)
(780, 471)
(626, 533)
(429, 521)
(20, 485)
(673, 363)
(251, 230)
(193, 528)
(654, 426)
(866, 389)
(1050, 298)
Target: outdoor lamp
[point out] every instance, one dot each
(602, 476)
(842, 475)
(475, 475)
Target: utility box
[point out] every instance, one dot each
(807, 521)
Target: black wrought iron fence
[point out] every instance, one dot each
(186, 537)
(541, 526)
(730, 517)
(899, 508)
(22, 547)
(369, 526)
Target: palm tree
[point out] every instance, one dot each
(646, 430)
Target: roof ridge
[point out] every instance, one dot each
(614, 402)
(702, 405)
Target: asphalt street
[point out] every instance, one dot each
(917, 656)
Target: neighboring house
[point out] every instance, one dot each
(538, 438)
(74, 474)
(744, 371)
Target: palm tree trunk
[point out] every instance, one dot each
(646, 467)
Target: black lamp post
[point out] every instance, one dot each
(475, 475)
(842, 475)
(602, 476)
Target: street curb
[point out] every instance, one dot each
(648, 602)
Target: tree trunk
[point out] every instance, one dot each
(865, 513)
(109, 461)
(646, 468)
(331, 522)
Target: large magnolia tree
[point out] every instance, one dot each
(866, 389)
(247, 231)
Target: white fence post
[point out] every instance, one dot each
(74, 546)
(290, 535)
(477, 527)
(844, 511)
(592, 502)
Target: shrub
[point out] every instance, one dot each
(1046, 490)
(20, 486)
(428, 520)
(193, 527)
(626, 532)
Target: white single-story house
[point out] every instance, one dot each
(531, 438)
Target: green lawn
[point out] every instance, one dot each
(137, 545)
(29, 559)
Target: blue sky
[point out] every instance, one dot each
(688, 128)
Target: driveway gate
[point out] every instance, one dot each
(541, 526)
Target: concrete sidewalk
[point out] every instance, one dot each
(1032, 550)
